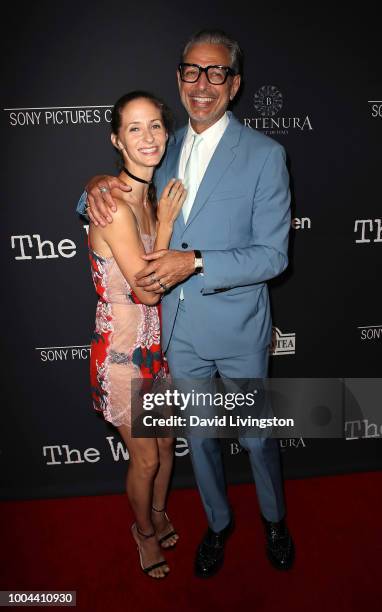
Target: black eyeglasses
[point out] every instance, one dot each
(216, 75)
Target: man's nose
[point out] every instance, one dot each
(203, 81)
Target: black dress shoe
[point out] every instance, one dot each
(210, 553)
(280, 547)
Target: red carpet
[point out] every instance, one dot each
(84, 544)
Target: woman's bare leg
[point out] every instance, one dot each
(141, 474)
(161, 483)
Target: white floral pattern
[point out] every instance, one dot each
(149, 329)
(103, 320)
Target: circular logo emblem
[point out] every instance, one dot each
(268, 101)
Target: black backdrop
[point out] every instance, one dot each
(312, 81)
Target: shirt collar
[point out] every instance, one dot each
(213, 134)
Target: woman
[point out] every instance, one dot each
(126, 343)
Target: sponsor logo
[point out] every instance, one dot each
(370, 332)
(368, 230)
(375, 108)
(49, 354)
(28, 247)
(31, 246)
(58, 116)
(292, 443)
(268, 102)
(362, 428)
(58, 454)
(236, 448)
(282, 344)
(301, 223)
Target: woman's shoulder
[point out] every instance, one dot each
(124, 208)
(123, 218)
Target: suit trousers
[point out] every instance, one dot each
(264, 453)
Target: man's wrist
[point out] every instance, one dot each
(81, 205)
(198, 262)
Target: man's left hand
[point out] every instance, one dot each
(165, 269)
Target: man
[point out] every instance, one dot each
(231, 238)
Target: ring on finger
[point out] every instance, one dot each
(163, 285)
(103, 189)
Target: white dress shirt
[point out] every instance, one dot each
(206, 149)
(211, 139)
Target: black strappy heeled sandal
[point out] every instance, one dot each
(169, 535)
(148, 569)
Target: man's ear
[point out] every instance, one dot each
(178, 78)
(236, 81)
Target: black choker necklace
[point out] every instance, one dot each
(136, 178)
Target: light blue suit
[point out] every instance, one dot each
(240, 221)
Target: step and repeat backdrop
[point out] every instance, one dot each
(312, 81)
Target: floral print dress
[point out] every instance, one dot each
(126, 340)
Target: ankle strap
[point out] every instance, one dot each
(156, 509)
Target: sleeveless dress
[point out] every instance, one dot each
(126, 340)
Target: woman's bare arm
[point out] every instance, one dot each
(124, 241)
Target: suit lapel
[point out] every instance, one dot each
(173, 153)
(222, 158)
(172, 167)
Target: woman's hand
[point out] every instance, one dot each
(171, 202)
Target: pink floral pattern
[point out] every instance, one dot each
(126, 340)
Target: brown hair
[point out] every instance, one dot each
(116, 122)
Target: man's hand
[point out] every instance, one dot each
(99, 202)
(165, 269)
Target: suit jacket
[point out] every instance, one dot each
(240, 220)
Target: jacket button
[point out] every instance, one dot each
(184, 245)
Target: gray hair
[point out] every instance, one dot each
(217, 37)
